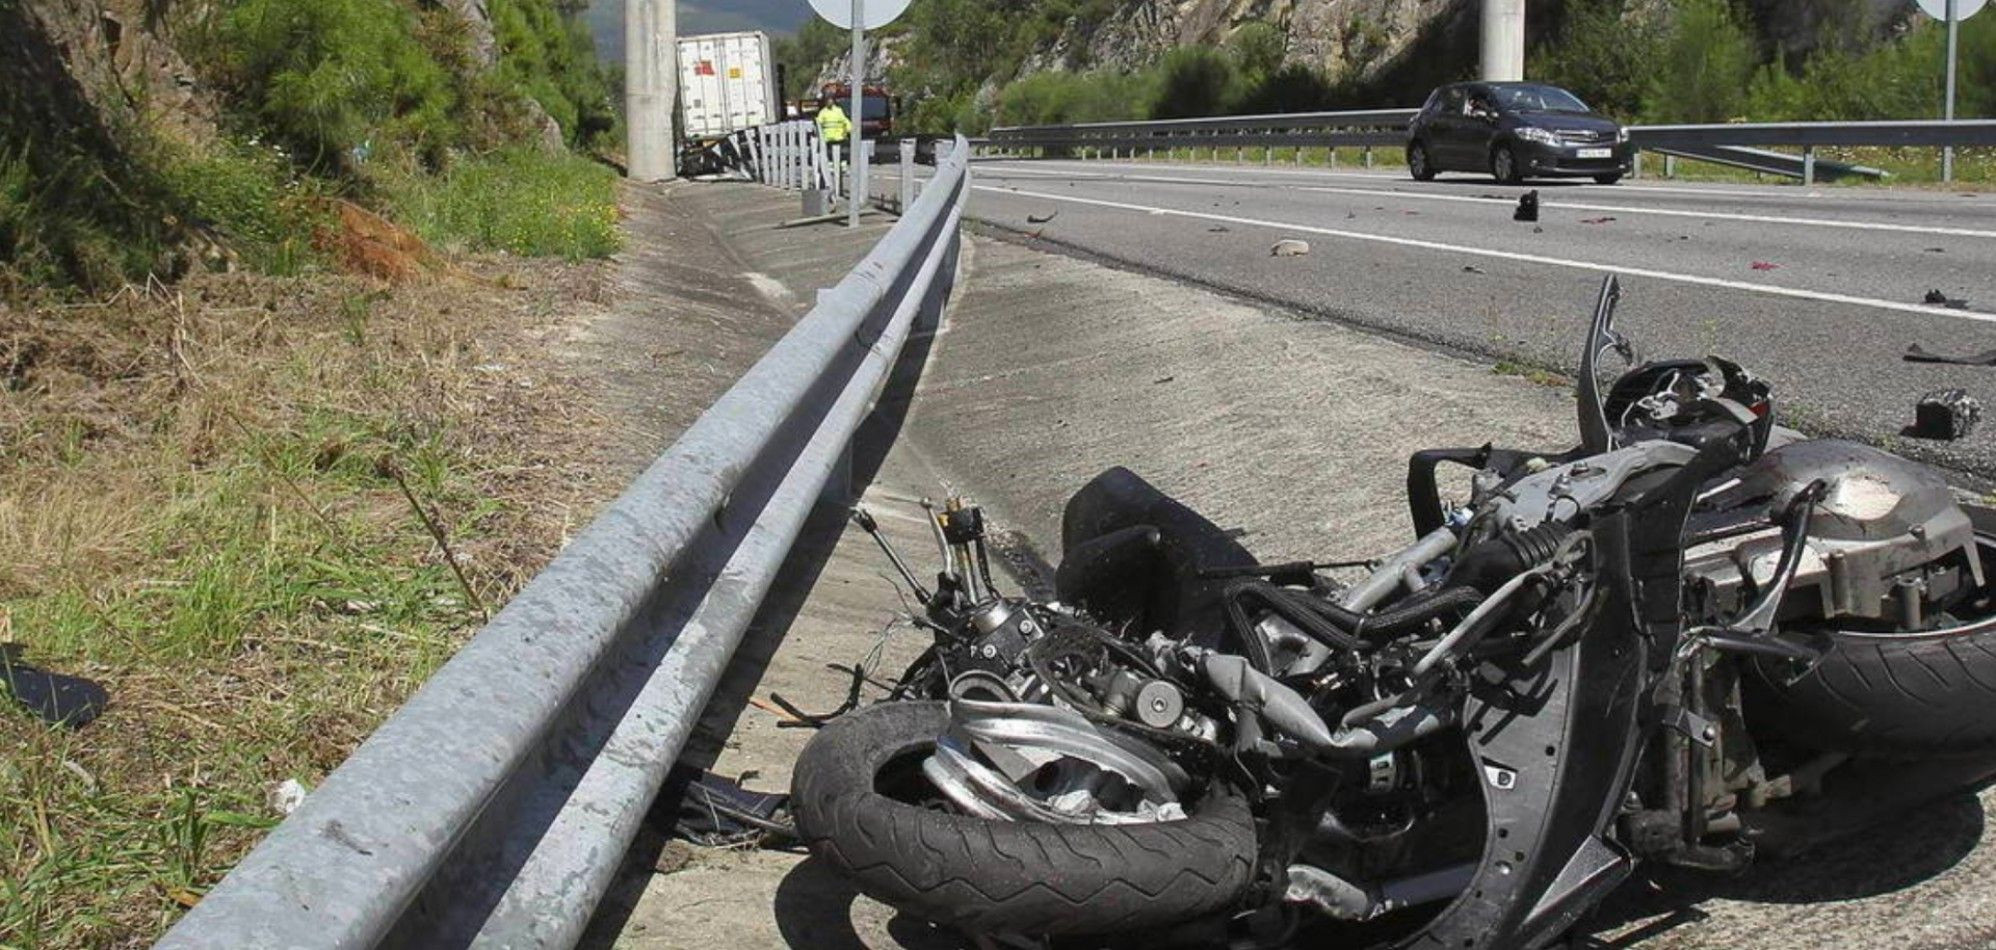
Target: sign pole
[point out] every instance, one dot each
(855, 155)
(1947, 152)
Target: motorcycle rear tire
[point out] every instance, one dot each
(1902, 694)
(998, 876)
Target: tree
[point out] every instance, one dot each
(1259, 48)
(1604, 53)
(1703, 66)
(1195, 81)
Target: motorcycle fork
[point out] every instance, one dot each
(1694, 765)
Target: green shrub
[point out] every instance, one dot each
(1060, 97)
(519, 200)
(1258, 47)
(551, 58)
(1195, 81)
(1603, 52)
(250, 196)
(1896, 80)
(1702, 67)
(1293, 88)
(329, 76)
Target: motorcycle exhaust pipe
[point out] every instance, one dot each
(1340, 899)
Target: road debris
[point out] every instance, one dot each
(1948, 414)
(285, 797)
(1289, 247)
(1604, 219)
(1471, 269)
(57, 698)
(1919, 354)
(1764, 265)
(716, 811)
(1218, 229)
(1042, 218)
(1528, 207)
(1939, 299)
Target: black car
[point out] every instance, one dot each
(1515, 131)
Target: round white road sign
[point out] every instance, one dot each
(1963, 9)
(874, 14)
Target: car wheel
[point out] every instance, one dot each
(1504, 165)
(1418, 164)
(1608, 179)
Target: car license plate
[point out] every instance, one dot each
(1596, 152)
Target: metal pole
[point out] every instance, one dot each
(1503, 53)
(1953, 29)
(856, 156)
(651, 76)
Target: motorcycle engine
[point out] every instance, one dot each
(1887, 544)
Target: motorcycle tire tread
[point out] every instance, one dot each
(1913, 695)
(999, 876)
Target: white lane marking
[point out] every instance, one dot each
(1682, 191)
(1571, 205)
(1674, 212)
(1796, 292)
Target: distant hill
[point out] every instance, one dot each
(606, 20)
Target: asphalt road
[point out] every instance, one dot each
(1818, 290)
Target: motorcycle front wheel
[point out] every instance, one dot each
(857, 796)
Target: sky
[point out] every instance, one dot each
(606, 20)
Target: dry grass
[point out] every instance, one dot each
(197, 509)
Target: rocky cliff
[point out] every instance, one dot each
(1356, 38)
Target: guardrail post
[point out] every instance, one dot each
(1368, 156)
(1299, 156)
(1240, 154)
(1268, 155)
(907, 175)
(1333, 152)
(1670, 166)
(1636, 164)
(1808, 164)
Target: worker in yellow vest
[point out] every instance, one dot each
(834, 127)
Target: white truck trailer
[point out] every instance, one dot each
(727, 83)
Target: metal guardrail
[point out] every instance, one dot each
(494, 808)
(1806, 167)
(1387, 127)
(1309, 129)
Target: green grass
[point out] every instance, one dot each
(520, 201)
(229, 553)
(1536, 375)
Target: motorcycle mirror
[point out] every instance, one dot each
(1595, 436)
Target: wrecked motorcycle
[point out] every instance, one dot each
(1695, 638)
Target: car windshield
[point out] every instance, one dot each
(1537, 99)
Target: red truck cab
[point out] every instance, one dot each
(876, 119)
